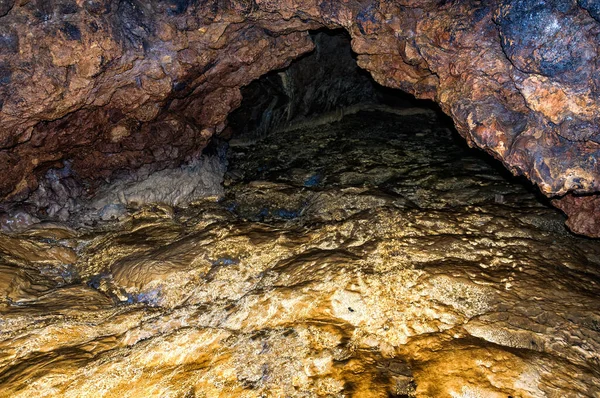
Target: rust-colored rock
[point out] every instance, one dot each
(111, 85)
(585, 210)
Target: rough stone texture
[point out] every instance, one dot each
(118, 84)
(408, 267)
(60, 196)
(584, 211)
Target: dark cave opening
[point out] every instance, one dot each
(326, 80)
(320, 88)
(326, 85)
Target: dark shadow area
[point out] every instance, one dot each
(326, 80)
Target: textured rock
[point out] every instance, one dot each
(111, 85)
(397, 272)
(584, 211)
(60, 196)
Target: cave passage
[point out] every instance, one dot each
(374, 256)
(404, 157)
(320, 86)
(389, 141)
(356, 247)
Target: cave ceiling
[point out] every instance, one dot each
(113, 85)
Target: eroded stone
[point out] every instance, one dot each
(381, 283)
(118, 85)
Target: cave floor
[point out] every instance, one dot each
(374, 257)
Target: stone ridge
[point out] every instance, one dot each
(113, 85)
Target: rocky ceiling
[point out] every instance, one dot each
(113, 85)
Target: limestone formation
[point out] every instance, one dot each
(407, 267)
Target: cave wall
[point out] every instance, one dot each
(120, 84)
(114, 85)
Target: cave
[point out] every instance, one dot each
(307, 198)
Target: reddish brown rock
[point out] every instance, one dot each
(112, 85)
(584, 210)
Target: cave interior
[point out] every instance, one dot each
(257, 198)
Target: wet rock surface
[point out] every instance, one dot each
(112, 85)
(382, 259)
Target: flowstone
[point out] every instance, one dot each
(384, 259)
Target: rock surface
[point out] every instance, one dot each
(117, 84)
(408, 267)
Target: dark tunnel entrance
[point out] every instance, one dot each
(325, 81)
(323, 122)
(314, 91)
